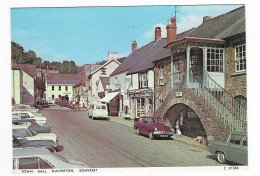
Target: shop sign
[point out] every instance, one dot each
(178, 94)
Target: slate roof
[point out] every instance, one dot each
(79, 83)
(105, 81)
(222, 26)
(61, 78)
(121, 59)
(27, 68)
(142, 58)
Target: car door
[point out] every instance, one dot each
(233, 148)
(142, 125)
(243, 153)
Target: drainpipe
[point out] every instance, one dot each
(172, 68)
(188, 65)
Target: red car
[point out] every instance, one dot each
(153, 127)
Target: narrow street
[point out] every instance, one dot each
(104, 144)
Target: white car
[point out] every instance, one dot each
(42, 158)
(41, 120)
(23, 107)
(98, 111)
(31, 135)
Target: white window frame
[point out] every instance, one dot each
(176, 72)
(103, 71)
(143, 80)
(161, 74)
(214, 61)
(238, 59)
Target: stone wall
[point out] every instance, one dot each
(235, 81)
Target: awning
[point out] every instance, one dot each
(108, 97)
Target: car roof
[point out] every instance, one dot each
(237, 132)
(21, 112)
(24, 120)
(30, 151)
(153, 117)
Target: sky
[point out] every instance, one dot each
(86, 34)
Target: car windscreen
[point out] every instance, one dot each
(32, 131)
(60, 157)
(155, 121)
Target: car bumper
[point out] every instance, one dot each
(101, 117)
(58, 148)
(163, 133)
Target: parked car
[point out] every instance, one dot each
(74, 106)
(23, 107)
(45, 104)
(29, 115)
(33, 124)
(31, 135)
(19, 141)
(232, 148)
(154, 127)
(41, 158)
(98, 111)
(57, 101)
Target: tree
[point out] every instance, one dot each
(72, 67)
(64, 67)
(20, 61)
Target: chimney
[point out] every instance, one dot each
(157, 35)
(206, 19)
(112, 55)
(171, 30)
(47, 70)
(134, 46)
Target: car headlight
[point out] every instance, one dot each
(155, 129)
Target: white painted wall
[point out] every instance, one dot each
(93, 94)
(29, 83)
(150, 76)
(16, 76)
(56, 92)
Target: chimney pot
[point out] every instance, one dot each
(157, 34)
(206, 19)
(134, 46)
(171, 31)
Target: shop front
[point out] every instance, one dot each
(141, 103)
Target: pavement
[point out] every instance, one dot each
(182, 139)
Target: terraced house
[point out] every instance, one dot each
(202, 86)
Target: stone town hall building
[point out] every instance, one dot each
(202, 85)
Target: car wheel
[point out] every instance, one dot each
(151, 135)
(221, 158)
(137, 131)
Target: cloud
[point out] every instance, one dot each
(24, 33)
(150, 34)
(122, 55)
(188, 22)
(59, 57)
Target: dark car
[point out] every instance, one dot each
(45, 104)
(33, 124)
(154, 127)
(232, 148)
(19, 141)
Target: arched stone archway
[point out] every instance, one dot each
(187, 119)
(214, 128)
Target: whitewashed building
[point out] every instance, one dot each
(94, 78)
(59, 84)
(23, 77)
